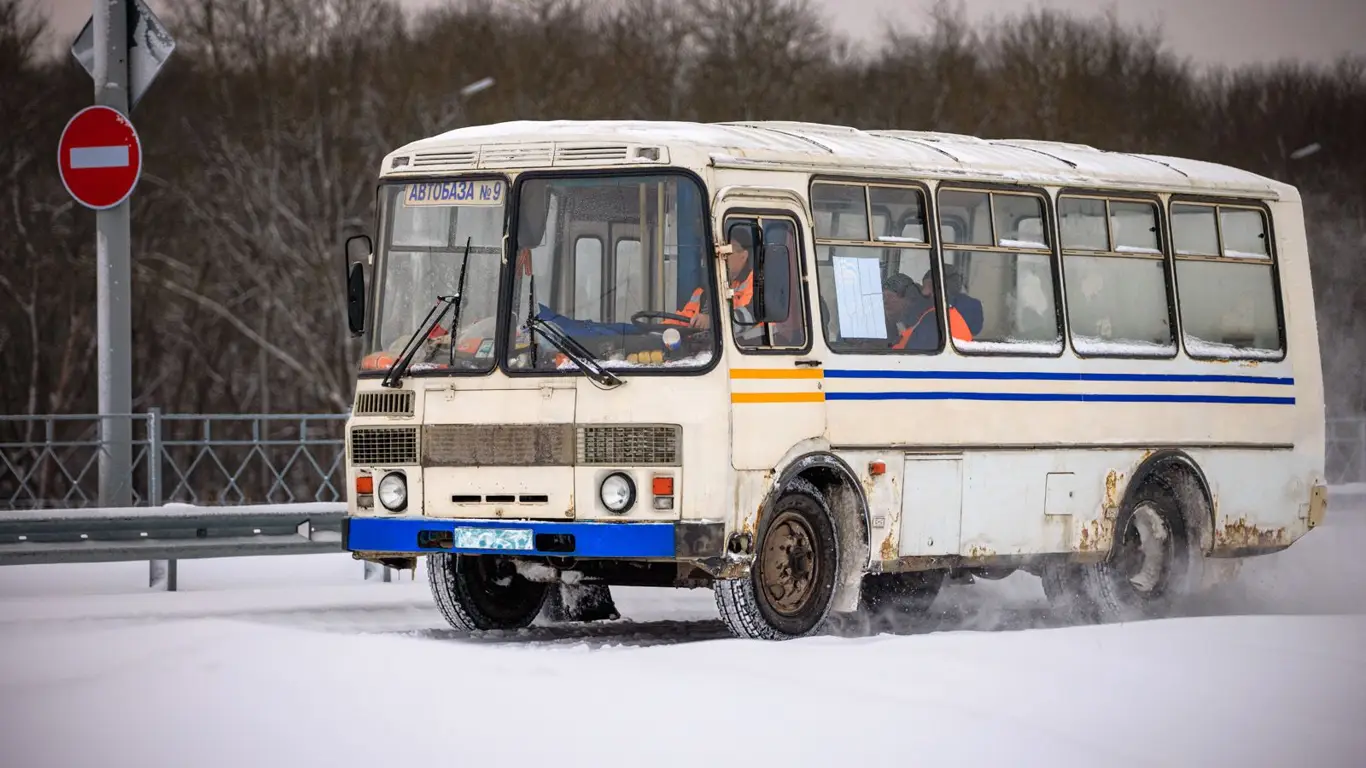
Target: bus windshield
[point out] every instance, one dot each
(615, 263)
(427, 226)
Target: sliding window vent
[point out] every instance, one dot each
(591, 153)
(456, 159)
(515, 155)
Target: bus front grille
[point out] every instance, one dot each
(628, 445)
(383, 446)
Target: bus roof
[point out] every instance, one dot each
(817, 148)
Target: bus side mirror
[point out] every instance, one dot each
(358, 249)
(355, 299)
(775, 302)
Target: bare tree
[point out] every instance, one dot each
(263, 136)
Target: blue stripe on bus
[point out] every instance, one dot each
(1186, 378)
(1056, 397)
(590, 539)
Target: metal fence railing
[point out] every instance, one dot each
(49, 462)
(202, 459)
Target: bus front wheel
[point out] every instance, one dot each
(480, 593)
(791, 584)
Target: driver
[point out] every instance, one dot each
(740, 266)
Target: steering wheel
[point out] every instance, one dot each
(640, 317)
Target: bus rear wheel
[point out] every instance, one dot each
(483, 592)
(791, 584)
(1152, 564)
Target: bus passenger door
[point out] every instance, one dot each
(776, 385)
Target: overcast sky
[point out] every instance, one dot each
(1213, 31)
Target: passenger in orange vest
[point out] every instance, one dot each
(741, 270)
(967, 306)
(912, 316)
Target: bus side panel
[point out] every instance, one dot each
(1261, 498)
(1026, 502)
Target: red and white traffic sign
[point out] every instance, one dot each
(100, 157)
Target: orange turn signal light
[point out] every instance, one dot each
(365, 484)
(876, 468)
(663, 486)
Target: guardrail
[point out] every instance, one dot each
(216, 485)
(169, 533)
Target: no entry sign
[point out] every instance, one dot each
(99, 157)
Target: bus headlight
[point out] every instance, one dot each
(617, 492)
(393, 492)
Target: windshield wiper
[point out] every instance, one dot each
(394, 376)
(574, 351)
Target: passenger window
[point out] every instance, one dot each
(971, 211)
(1116, 278)
(1135, 227)
(904, 206)
(999, 272)
(881, 298)
(1081, 220)
(841, 211)
(1227, 297)
(1194, 231)
(782, 262)
(588, 279)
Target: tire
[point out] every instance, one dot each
(1150, 564)
(791, 585)
(471, 599)
(888, 600)
(1064, 586)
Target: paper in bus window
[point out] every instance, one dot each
(858, 295)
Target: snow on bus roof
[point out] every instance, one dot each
(832, 149)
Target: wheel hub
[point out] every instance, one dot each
(789, 567)
(1148, 558)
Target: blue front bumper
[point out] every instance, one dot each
(425, 535)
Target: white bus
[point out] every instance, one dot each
(822, 370)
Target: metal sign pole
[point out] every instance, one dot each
(114, 274)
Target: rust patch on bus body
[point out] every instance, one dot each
(1111, 491)
(979, 552)
(1240, 534)
(889, 549)
(1097, 535)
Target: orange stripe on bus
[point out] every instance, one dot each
(777, 397)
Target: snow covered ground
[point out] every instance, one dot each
(297, 661)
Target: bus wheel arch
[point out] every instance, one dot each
(1162, 533)
(1182, 475)
(844, 495)
(815, 504)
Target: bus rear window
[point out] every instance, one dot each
(1226, 282)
